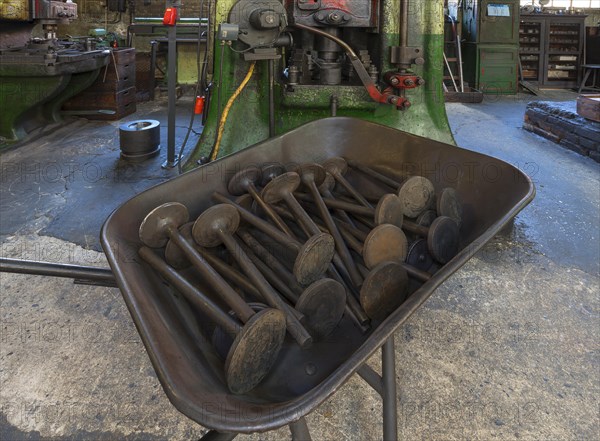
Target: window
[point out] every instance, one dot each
(577, 4)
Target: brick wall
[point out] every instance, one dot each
(593, 17)
(560, 123)
(156, 8)
(93, 14)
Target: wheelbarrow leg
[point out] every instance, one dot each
(213, 435)
(390, 411)
(385, 386)
(300, 431)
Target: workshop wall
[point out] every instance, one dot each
(187, 68)
(593, 18)
(156, 8)
(593, 15)
(93, 14)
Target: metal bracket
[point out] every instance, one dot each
(406, 55)
(167, 165)
(404, 81)
(258, 54)
(385, 97)
(228, 32)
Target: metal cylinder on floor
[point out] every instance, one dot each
(139, 140)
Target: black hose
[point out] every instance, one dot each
(204, 84)
(197, 89)
(219, 104)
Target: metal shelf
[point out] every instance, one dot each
(552, 28)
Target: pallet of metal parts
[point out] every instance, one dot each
(302, 379)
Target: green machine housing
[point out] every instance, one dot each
(491, 46)
(38, 74)
(377, 60)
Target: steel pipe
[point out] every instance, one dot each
(103, 276)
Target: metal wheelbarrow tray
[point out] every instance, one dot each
(492, 192)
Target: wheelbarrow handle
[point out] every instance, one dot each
(81, 274)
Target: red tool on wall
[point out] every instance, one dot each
(170, 17)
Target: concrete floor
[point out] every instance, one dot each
(52, 185)
(507, 348)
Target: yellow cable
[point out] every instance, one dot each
(228, 108)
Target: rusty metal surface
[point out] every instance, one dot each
(313, 258)
(217, 220)
(418, 255)
(389, 211)
(448, 204)
(385, 288)
(384, 243)
(417, 194)
(254, 350)
(289, 392)
(443, 239)
(322, 303)
(426, 218)
(17, 10)
(154, 230)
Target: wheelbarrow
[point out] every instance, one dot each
(492, 193)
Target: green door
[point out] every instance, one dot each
(499, 21)
(498, 69)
